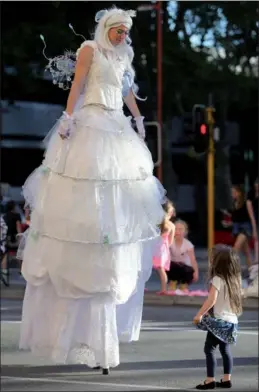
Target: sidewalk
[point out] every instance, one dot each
(17, 287)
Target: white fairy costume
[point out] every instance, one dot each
(95, 210)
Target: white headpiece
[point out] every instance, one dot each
(107, 19)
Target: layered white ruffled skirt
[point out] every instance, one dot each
(96, 207)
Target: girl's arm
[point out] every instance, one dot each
(172, 232)
(194, 264)
(250, 211)
(83, 65)
(18, 224)
(226, 212)
(18, 228)
(208, 304)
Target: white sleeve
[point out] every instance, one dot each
(188, 245)
(92, 44)
(216, 282)
(171, 250)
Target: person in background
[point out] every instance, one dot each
(161, 261)
(14, 226)
(3, 253)
(13, 221)
(252, 201)
(243, 223)
(252, 206)
(27, 219)
(183, 267)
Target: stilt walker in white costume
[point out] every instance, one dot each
(96, 207)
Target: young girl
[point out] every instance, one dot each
(243, 223)
(221, 323)
(252, 202)
(183, 267)
(161, 261)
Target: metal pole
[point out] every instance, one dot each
(211, 167)
(159, 76)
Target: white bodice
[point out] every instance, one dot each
(104, 79)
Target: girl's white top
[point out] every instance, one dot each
(104, 80)
(222, 308)
(180, 253)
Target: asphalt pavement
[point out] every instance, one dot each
(168, 356)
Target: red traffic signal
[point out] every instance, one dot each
(203, 129)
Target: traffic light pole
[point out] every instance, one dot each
(211, 174)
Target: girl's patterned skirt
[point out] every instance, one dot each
(223, 330)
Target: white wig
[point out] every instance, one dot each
(115, 17)
(107, 19)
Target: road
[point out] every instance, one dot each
(169, 356)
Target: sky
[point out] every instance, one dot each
(191, 24)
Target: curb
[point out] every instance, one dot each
(150, 299)
(12, 293)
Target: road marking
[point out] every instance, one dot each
(104, 384)
(10, 322)
(247, 332)
(158, 328)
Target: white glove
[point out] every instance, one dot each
(140, 126)
(66, 123)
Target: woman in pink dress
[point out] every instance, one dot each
(161, 260)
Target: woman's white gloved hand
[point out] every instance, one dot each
(140, 126)
(66, 123)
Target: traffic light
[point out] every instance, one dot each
(203, 129)
(200, 131)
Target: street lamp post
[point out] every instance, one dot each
(159, 11)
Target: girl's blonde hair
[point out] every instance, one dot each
(166, 206)
(239, 202)
(225, 263)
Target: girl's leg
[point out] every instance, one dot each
(4, 270)
(256, 249)
(163, 278)
(173, 285)
(174, 275)
(225, 352)
(4, 263)
(247, 253)
(187, 276)
(209, 350)
(239, 242)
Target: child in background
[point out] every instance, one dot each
(161, 261)
(27, 219)
(183, 266)
(221, 323)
